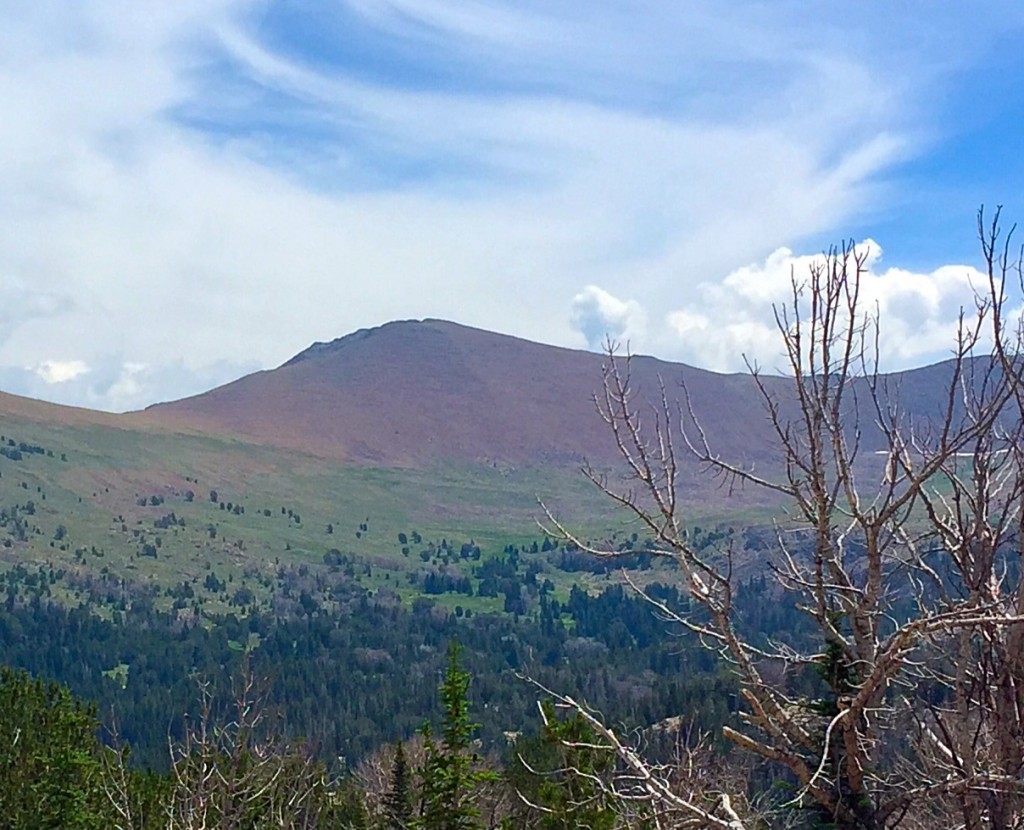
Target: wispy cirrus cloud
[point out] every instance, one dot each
(197, 185)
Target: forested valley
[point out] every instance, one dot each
(336, 694)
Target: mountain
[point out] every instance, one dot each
(343, 514)
(432, 432)
(417, 393)
(341, 517)
(416, 429)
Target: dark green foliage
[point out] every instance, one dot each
(349, 811)
(398, 799)
(334, 670)
(74, 646)
(239, 775)
(140, 799)
(50, 763)
(238, 772)
(332, 651)
(559, 772)
(450, 776)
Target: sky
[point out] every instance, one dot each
(194, 190)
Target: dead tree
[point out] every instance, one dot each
(242, 774)
(231, 775)
(972, 741)
(903, 568)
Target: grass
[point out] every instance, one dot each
(92, 491)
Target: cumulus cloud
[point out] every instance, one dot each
(598, 315)
(61, 371)
(727, 322)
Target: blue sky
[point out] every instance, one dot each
(193, 190)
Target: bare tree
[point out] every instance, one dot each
(899, 543)
(973, 736)
(239, 775)
(375, 774)
(691, 791)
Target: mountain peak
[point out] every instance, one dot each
(322, 348)
(423, 392)
(417, 391)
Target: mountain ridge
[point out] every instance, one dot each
(417, 393)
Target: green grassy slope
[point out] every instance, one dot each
(112, 503)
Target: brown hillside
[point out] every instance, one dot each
(422, 393)
(29, 409)
(415, 393)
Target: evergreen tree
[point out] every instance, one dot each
(449, 777)
(568, 800)
(50, 767)
(398, 800)
(350, 809)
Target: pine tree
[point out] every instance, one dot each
(577, 800)
(349, 811)
(50, 768)
(398, 800)
(448, 778)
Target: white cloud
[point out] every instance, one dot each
(116, 384)
(61, 371)
(918, 312)
(181, 191)
(598, 316)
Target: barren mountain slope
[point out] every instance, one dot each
(415, 393)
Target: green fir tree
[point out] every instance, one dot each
(398, 799)
(50, 758)
(450, 777)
